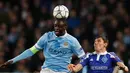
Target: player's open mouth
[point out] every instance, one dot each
(56, 31)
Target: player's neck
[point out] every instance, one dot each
(101, 51)
(62, 34)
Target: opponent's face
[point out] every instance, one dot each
(59, 27)
(99, 44)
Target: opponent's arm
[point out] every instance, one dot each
(75, 68)
(79, 66)
(122, 66)
(27, 53)
(119, 63)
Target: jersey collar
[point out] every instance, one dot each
(104, 53)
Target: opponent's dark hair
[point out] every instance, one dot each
(105, 38)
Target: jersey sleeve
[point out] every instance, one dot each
(41, 42)
(27, 53)
(85, 61)
(114, 58)
(77, 49)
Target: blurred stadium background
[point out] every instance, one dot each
(22, 22)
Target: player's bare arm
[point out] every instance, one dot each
(122, 66)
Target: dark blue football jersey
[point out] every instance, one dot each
(100, 63)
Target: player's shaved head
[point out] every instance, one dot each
(60, 21)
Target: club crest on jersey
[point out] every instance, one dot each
(91, 59)
(104, 59)
(65, 44)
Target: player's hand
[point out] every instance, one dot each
(6, 64)
(126, 69)
(70, 67)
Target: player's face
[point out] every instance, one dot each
(99, 44)
(59, 27)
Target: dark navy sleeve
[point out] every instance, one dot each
(84, 61)
(114, 57)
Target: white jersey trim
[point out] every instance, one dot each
(111, 56)
(37, 46)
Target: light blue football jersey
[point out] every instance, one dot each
(58, 51)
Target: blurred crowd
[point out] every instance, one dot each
(22, 22)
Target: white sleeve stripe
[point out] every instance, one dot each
(37, 46)
(111, 56)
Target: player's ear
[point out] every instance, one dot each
(106, 44)
(66, 26)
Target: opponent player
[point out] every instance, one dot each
(58, 47)
(99, 61)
